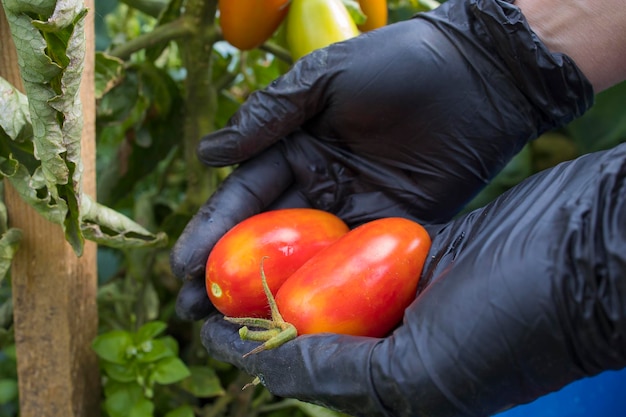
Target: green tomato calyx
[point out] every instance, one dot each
(276, 331)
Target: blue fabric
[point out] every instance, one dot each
(601, 396)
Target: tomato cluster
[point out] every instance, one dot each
(310, 24)
(325, 277)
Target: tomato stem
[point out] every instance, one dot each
(277, 330)
(252, 321)
(276, 316)
(278, 340)
(259, 335)
(256, 381)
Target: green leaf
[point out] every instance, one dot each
(120, 103)
(32, 189)
(604, 125)
(313, 410)
(552, 148)
(170, 370)
(131, 391)
(120, 373)
(113, 346)
(14, 115)
(158, 86)
(109, 72)
(404, 10)
(16, 132)
(127, 400)
(355, 11)
(24, 173)
(203, 382)
(6, 336)
(8, 390)
(182, 411)
(98, 223)
(10, 352)
(4, 215)
(171, 344)
(6, 314)
(10, 239)
(149, 331)
(153, 351)
(51, 52)
(142, 408)
(9, 244)
(144, 137)
(307, 409)
(106, 226)
(426, 5)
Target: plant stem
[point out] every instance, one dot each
(200, 98)
(173, 30)
(278, 51)
(225, 80)
(280, 405)
(234, 397)
(150, 7)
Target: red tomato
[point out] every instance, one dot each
(287, 237)
(376, 12)
(359, 285)
(246, 24)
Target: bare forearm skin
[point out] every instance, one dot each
(592, 33)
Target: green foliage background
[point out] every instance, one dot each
(164, 79)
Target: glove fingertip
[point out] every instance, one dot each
(221, 148)
(188, 257)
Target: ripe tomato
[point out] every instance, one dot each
(246, 24)
(359, 285)
(376, 12)
(287, 237)
(314, 24)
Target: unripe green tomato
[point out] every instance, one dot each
(314, 24)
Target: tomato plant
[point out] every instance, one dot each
(359, 285)
(287, 237)
(246, 24)
(314, 24)
(376, 13)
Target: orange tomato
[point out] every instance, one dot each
(376, 12)
(359, 285)
(287, 237)
(246, 24)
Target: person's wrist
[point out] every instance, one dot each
(587, 32)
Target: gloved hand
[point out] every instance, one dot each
(521, 297)
(409, 120)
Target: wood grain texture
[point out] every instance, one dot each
(54, 291)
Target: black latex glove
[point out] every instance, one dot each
(525, 295)
(409, 120)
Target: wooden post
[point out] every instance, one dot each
(54, 291)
